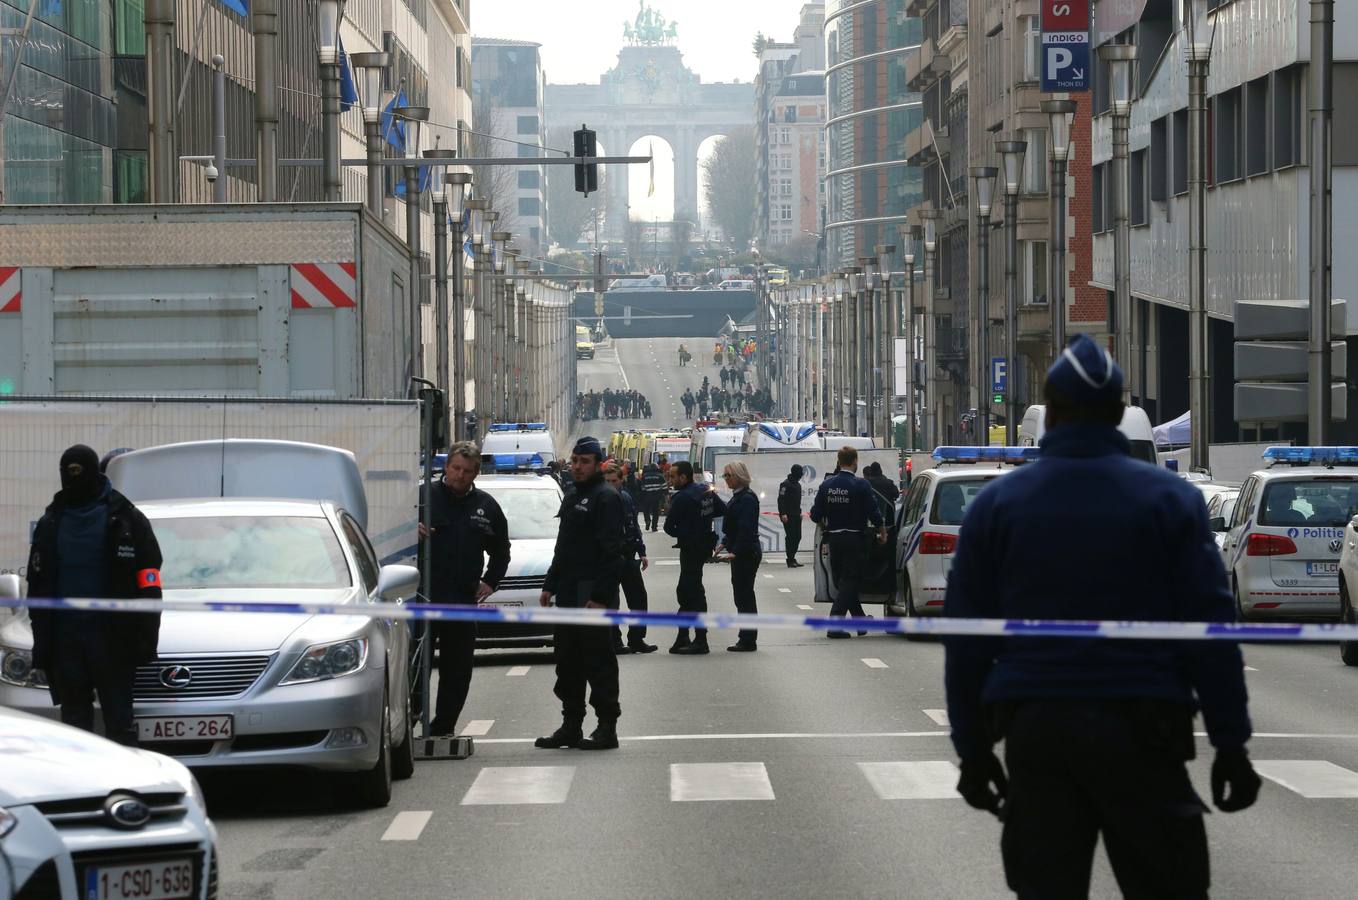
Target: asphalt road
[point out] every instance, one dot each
(812, 768)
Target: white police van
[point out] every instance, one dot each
(929, 519)
(517, 447)
(1284, 537)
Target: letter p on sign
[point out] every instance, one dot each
(1058, 60)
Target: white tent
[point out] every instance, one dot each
(1175, 433)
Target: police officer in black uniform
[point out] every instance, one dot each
(468, 529)
(843, 507)
(653, 489)
(92, 542)
(1096, 732)
(634, 563)
(692, 510)
(790, 513)
(585, 570)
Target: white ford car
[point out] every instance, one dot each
(84, 817)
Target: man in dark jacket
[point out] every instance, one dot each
(653, 489)
(692, 510)
(92, 542)
(790, 513)
(635, 562)
(469, 528)
(1096, 731)
(844, 506)
(585, 571)
(886, 490)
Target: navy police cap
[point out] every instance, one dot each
(588, 446)
(1085, 372)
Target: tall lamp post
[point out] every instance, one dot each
(1120, 59)
(414, 117)
(911, 238)
(869, 331)
(884, 340)
(1198, 56)
(1059, 115)
(371, 67)
(983, 182)
(1011, 152)
(457, 184)
(329, 15)
(438, 197)
(932, 420)
(853, 335)
(1319, 363)
(476, 230)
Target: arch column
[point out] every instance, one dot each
(617, 143)
(685, 175)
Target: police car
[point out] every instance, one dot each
(530, 504)
(1284, 537)
(930, 517)
(517, 447)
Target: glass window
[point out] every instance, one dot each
(1328, 503)
(250, 552)
(952, 499)
(362, 550)
(1181, 152)
(528, 125)
(130, 175)
(1032, 49)
(531, 513)
(1243, 503)
(129, 28)
(1035, 161)
(1137, 177)
(529, 178)
(1035, 271)
(528, 206)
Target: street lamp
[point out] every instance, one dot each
(438, 196)
(329, 15)
(983, 190)
(1120, 59)
(371, 67)
(932, 423)
(853, 370)
(911, 238)
(868, 327)
(1011, 153)
(884, 340)
(1059, 115)
(1198, 56)
(457, 185)
(414, 117)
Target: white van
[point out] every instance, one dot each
(833, 440)
(706, 443)
(1136, 427)
(781, 436)
(736, 284)
(649, 283)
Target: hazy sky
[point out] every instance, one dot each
(580, 40)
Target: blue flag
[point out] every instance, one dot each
(348, 90)
(239, 7)
(424, 181)
(394, 129)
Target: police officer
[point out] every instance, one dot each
(653, 489)
(635, 562)
(790, 513)
(469, 558)
(585, 570)
(92, 542)
(844, 505)
(692, 510)
(1096, 731)
(740, 536)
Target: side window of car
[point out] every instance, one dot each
(362, 550)
(915, 503)
(1242, 506)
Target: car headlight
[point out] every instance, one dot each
(16, 668)
(7, 821)
(324, 661)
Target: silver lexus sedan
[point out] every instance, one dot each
(263, 689)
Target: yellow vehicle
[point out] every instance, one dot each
(674, 445)
(778, 276)
(584, 343)
(615, 443)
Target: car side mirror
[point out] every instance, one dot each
(9, 586)
(397, 582)
(1218, 523)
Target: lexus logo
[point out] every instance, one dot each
(1336, 545)
(126, 811)
(176, 677)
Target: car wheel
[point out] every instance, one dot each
(403, 754)
(910, 612)
(1348, 650)
(371, 789)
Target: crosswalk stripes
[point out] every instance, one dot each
(940, 716)
(929, 780)
(513, 785)
(1315, 779)
(477, 728)
(719, 781)
(408, 825)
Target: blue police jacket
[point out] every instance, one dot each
(691, 513)
(740, 525)
(1088, 532)
(634, 545)
(845, 502)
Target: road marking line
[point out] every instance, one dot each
(859, 735)
(518, 671)
(1315, 779)
(407, 825)
(930, 780)
(874, 663)
(665, 562)
(477, 727)
(768, 576)
(805, 606)
(1251, 669)
(785, 591)
(940, 717)
(719, 781)
(513, 785)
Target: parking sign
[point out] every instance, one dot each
(999, 375)
(1065, 45)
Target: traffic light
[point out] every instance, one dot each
(586, 174)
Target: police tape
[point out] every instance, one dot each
(939, 626)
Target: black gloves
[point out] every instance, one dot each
(978, 775)
(1232, 769)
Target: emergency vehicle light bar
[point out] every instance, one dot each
(513, 462)
(1301, 456)
(986, 454)
(518, 426)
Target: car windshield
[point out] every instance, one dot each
(250, 552)
(531, 512)
(1328, 503)
(953, 498)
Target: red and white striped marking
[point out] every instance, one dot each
(324, 285)
(11, 297)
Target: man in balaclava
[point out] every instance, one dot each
(92, 542)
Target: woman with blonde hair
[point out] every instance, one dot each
(740, 538)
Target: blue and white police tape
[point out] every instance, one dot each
(488, 612)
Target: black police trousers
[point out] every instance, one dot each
(457, 649)
(743, 571)
(792, 536)
(847, 561)
(584, 657)
(650, 511)
(633, 586)
(85, 665)
(1081, 769)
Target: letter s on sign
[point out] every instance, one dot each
(1061, 9)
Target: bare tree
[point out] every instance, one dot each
(496, 184)
(572, 212)
(730, 178)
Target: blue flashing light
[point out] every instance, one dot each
(502, 427)
(805, 432)
(513, 462)
(985, 454)
(1311, 455)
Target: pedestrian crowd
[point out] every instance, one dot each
(711, 400)
(611, 404)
